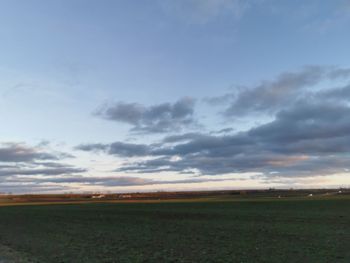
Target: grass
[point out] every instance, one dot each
(252, 230)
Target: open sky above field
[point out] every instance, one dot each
(173, 95)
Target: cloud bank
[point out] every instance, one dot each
(20, 162)
(307, 136)
(286, 89)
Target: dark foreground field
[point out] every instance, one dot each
(261, 230)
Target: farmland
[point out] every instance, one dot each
(224, 228)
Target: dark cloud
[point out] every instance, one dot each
(338, 94)
(306, 121)
(271, 96)
(118, 148)
(224, 130)
(159, 118)
(181, 137)
(308, 134)
(20, 159)
(14, 152)
(96, 147)
(299, 141)
(129, 149)
(41, 171)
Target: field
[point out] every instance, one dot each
(222, 229)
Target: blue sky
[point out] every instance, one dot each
(95, 73)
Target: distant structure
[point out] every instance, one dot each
(125, 196)
(98, 196)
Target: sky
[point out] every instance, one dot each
(161, 95)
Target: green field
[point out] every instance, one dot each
(260, 230)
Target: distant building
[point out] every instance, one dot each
(98, 196)
(125, 196)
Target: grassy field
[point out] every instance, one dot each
(227, 230)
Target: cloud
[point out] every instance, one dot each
(166, 117)
(20, 159)
(224, 130)
(299, 141)
(41, 171)
(307, 134)
(118, 149)
(304, 122)
(271, 96)
(95, 147)
(180, 138)
(339, 94)
(15, 152)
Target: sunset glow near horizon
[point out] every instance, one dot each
(164, 95)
